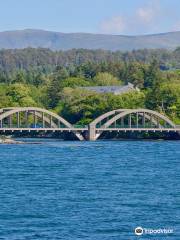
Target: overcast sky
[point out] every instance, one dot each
(130, 17)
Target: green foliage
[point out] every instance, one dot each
(106, 79)
(55, 86)
(134, 74)
(40, 77)
(153, 76)
(74, 82)
(19, 78)
(5, 101)
(84, 106)
(20, 95)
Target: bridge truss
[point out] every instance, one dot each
(129, 120)
(34, 119)
(120, 120)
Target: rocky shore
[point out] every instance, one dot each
(9, 141)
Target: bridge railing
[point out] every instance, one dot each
(4, 125)
(133, 126)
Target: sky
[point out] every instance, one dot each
(127, 17)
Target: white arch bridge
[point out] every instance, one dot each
(33, 119)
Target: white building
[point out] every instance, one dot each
(116, 90)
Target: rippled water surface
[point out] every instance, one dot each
(89, 190)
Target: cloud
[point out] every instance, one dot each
(114, 25)
(149, 11)
(143, 20)
(145, 14)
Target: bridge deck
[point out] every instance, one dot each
(45, 129)
(97, 129)
(34, 119)
(140, 129)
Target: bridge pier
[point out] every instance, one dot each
(91, 132)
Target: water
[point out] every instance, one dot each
(89, 190)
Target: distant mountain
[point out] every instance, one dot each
(64, 41)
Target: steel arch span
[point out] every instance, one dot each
(39, 119)
(128, 119)
(32, 117)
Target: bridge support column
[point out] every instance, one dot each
(151, 121)
(43, 123)
(129, 121)
(34, 118)
(122, 122)
(26, 118)
(10, 121)
(91, 133)
(158, 123)
(50, 121)
(144, 120)
(137, 120)
(18, 120)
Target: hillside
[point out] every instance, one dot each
(45, 60)
(64, 41)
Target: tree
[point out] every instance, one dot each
(5, 101)
(55, 86)
(20, 95)
(153, 81)
(74, 82)
(135, 74)
(82, 106)
(19, 78)
(106, 79)
(153, 76)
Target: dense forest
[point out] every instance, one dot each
(45, 78)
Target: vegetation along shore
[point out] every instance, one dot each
(55, 80)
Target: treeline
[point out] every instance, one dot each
(40, 77)
(46, 60)
(33, 65)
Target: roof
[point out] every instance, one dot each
(112, 89)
